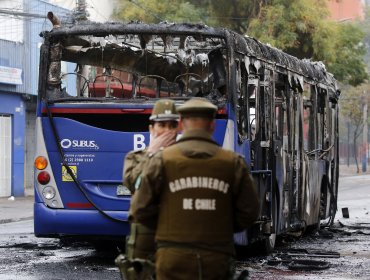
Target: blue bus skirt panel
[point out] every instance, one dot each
(60, 222)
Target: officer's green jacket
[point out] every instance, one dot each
(196, 194)
(133, 166)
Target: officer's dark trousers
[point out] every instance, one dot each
(192, 264)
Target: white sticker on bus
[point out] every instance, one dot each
(139, 143)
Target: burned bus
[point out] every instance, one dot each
(98, 83)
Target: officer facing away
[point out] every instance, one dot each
(195, 195)
(140, 247)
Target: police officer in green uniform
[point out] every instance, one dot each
(195, 195)
(163, 131)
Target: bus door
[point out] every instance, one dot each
(243, 117)
(260, 91)
(261, 125)
(333, 156)
(246, 88)
(324, 193)
(312, 169)
(295, 154)
(279, 165)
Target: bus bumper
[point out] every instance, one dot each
(61, 222)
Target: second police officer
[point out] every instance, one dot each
(163, 130)
(195, 195)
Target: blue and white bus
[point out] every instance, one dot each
(98, 83)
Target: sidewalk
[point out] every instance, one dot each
(14, 209)
(351, 170)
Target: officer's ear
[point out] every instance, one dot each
(180, 126)
(151, 128)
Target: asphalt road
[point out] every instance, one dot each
(346, 244)
(25, 257)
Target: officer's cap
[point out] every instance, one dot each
(164, 110)
(198, 107)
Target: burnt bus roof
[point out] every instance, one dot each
(314, 71)
(116, 28)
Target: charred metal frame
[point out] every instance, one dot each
(76, 44)
(302, 156)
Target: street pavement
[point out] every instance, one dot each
(21, 208)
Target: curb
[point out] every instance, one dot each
(6, 221)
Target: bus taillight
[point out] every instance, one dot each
(43, 178)
(41, 163)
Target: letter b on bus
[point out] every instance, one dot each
(139, 143)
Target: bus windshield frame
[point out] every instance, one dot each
(129, 62)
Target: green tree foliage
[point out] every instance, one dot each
(349, 64)
(351, 109)
(234, 14)
(351, 103)
(154, 11)
(302, 28)
(365, 27)
(292, 25)
(298, 27)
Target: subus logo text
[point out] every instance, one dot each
(67, 143)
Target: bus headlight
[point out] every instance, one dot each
(48, 192)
